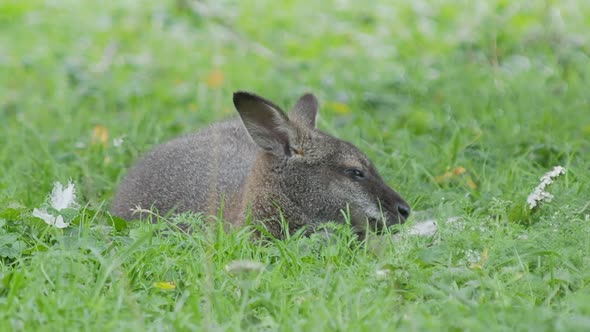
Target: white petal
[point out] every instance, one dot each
(48, 218)
(59, 222)
(117, 142)
(382, 274)
(63, 198)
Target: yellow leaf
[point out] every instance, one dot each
(482, 260)
(458, 170)
(165, 285)
(338, 107)
(442, 178)
(455, 172)
(485, 255)
(471, 184)
(215, 78)
(100, 135)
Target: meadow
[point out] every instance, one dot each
(462, 106)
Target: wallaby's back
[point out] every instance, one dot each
(190, 173)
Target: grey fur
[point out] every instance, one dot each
(266, 161)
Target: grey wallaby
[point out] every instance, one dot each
(267, 163)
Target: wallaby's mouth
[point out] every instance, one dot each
(384, 225)
(375, 226)
(379, 222)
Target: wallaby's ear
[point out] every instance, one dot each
(305, 111)
(266, 123)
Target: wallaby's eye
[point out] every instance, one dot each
(355, 174)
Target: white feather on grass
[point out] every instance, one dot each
(63, 198)
(423, 228)
(60, 198)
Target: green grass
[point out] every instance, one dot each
(423, 87)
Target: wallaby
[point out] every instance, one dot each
(267, 163)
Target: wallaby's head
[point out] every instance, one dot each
(323, 176)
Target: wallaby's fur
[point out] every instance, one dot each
(266, 162)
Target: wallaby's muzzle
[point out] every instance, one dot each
(394, 210)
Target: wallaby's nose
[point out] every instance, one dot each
(404, 210)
